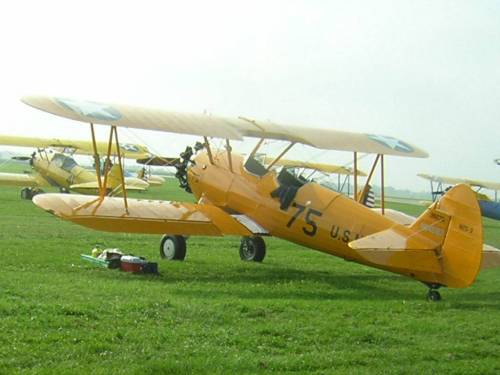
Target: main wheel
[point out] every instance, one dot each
(252, 249)
(26, 193)
(173, 247)
(433, 296)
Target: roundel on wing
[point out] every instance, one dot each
(391, 142)
(94, 110)
(129, 147)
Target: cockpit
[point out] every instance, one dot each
(64, 162)
(289, 184)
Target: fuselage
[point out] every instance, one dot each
(64, 172)
(317, 217)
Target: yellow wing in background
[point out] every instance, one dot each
(144, 216)
(24, 180)
(220, 127)
(94, 186)
(327, 168)
(454, 180)
(128, 150)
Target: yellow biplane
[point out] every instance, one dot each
(52, 166)
(239, 196)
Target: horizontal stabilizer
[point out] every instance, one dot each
(396, 238)
(411, 260)
(491, 257)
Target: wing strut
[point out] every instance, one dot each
(355, 176)
(366, 188)
(209, 150)
(367, 183)
(107, 167)
(280, 156)
(382, 193)
(118, 153)
(229, 157)
(97, 159)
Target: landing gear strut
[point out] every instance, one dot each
(252, 249)
(173, 247)
(433, 295)
(28, 193)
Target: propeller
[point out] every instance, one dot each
(183, 164)
(21, 158)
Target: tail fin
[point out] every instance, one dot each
(114, 176)
(446, 241)
(462, 247)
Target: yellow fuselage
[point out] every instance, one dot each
(318, 218)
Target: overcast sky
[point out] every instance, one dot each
(427, 72)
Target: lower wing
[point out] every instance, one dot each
(25, 180)
(142, 216)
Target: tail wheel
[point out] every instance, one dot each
(252, 249)
(173, 247)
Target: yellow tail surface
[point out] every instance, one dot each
(462, 247)
(114, 176)
(444, 245)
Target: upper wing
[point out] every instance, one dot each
(25, 180)
(328, 168)
(128, 150)
(144, 216)
(220, 127)
(454, 180)
(442, 179)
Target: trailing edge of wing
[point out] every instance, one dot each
(220, 127)
(144, 216)
(92, 186)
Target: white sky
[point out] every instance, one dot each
(427, 72)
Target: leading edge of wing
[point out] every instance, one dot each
(220, 127)
(144, 216)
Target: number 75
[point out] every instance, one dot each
(311, 227)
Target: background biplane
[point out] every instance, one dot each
(240, 196)
(52, 164)
(489, 208)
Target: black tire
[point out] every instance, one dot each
(252, 249)
(26, 193)
(433, 296)
(173, 247)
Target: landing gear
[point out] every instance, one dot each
(433, 295)
(28, 193)
(252, 249)
(173, 247)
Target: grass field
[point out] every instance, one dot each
(298, 312)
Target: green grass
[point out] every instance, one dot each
(298, 312)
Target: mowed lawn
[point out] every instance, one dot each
(298, 312)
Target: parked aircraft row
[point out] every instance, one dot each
(247, 196)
